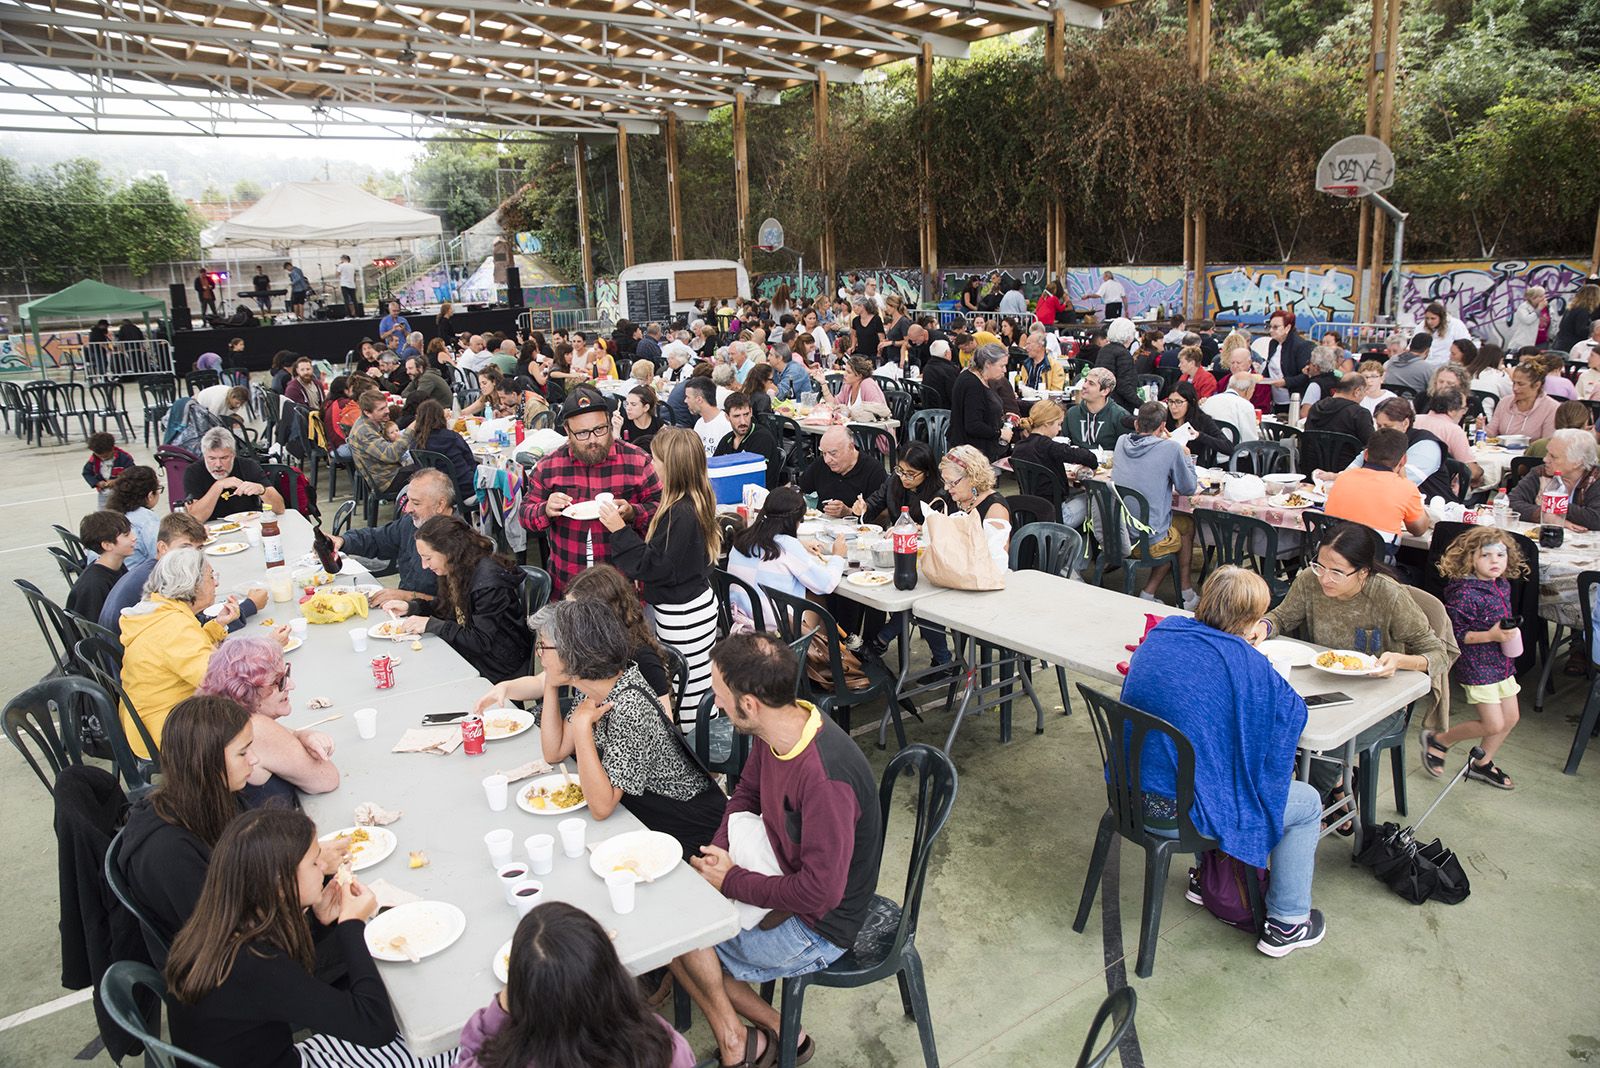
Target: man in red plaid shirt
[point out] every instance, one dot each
(590, 463)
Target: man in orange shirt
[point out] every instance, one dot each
(1377, 493)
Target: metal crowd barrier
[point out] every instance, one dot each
(947, 316)
(1358, 337)
(111, 360)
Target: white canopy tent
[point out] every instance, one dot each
(303, 214)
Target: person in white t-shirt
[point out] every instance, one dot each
(347, 285)
(1445, 329)
(710, 423)
(1113, 295)
(1174, 336)
(1232, 405)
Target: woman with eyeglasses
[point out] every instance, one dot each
(253, 672)
(969, 486)
(913, 484)
(1039, 446)
(1183, 410)
(1349, 599)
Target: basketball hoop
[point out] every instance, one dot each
(768, 248)
(1355, 167)
(1346, 191)
(769, 237)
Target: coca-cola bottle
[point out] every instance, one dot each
(327, 555)
(904, 534)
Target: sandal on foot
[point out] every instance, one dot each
(1489, 773)
(1433, 765)
(804, 1051)
(1347, 826)
(765, 1059)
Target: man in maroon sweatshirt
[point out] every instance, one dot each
(818, 801)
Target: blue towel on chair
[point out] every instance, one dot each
(1242, 718)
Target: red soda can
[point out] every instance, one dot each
(383, 672)
(744, 514)
(472, 734)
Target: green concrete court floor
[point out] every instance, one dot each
(1506, 978)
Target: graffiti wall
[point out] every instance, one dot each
(1246, 293)
(18, 353)
(607, 298)
(952, 280)
(1486, 295)
(1150, 289)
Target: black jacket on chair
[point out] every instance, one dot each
(96, 931)
(1118, 360)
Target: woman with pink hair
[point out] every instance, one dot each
(252, 671)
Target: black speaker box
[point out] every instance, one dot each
(514, 286)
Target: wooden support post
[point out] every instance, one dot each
(1055, 241)
(1364, 311)
(819, 115)
(929, 231)
(581, 177)
(1594, 260)
(1203, 58)
(741, 180)
(624, 201)
(1386, 135)
(674, 205)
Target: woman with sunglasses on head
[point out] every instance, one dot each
(253, 672)
(1349, 599)
(242, 972)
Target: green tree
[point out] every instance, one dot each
(456, 180)
(248, 191)
(152, 225)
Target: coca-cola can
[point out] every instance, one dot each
(383, 672)
(472, 735)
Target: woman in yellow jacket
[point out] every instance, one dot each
(165, 645)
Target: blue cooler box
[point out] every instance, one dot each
(730, 474)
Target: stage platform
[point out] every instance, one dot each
(323, 340)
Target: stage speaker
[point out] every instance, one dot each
(178, 295)
(513, 286)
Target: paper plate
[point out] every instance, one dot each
(870, 578)
(548, 784)
(1367, 662)
(502, 723)
(582, 510)
(379, 843)
(1293, 653)
(294, 643)
(427, 927)
(226, 548)
(649, 853)
(246, 517)
(502, 963)
(389, 628)
(223, 526)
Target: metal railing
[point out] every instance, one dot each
(103, 361)
(952, 315)
(1357, 337)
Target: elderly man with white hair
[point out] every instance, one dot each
(1116, 356)
(223, 483)
(841, 473)
(165, 645)
(477, 356)
(1232, 405)
(677, 354)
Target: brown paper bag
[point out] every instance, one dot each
(958, 557)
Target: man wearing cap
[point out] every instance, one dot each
(590, 463)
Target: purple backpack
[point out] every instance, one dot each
(1224, 891)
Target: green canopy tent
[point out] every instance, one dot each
(84, 301)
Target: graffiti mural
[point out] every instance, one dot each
(1150, 289)
(764, 285)
(527, 242)
(1485, 296)
(1249, 294)
(952, 280)
(607, 298)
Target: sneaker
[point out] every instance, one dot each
(1192, 894)
(1145, 595)
(1190, 600)
(853, 643)
(1277, 941)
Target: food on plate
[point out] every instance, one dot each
(871, 578)
(1294, 500)
(344, 875)
(1331, 659)
(357, 839)
(419, 859)
(225, 527)
(321, 578)
(566, 797)
(503, 725)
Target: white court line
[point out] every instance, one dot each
(39, 1011)
(46, 500)
(20, 548)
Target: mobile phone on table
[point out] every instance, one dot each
(1328, 700)
(441, 717)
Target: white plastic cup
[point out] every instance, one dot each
(252, 535)
(281, 587)
(510, 875)
(620, 884)
(366, 722)
(495, 788)
(297, 627)
(498, 842)
(1283, 665)
(526, 895)
(541, 852)
(358, 639)
(573, 832)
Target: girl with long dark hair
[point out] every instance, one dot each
(206, 761)
(568, 1001)
(241, 970)
(769, 553)
(1183, 410)
(478, 610)
(431, 432)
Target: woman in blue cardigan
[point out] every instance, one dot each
(1244, 721)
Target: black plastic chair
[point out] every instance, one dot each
(371, 500)
(1280, 432)
(887, 943)
(157, 943)
(71, 570)
(722, 585)
(110, 407)
(876, 442)
(730, 763)
(1265, 458)
(1121, 544)
(1056, 549)
(837, 702)
(119, 994)
(69, 400)
(1481, 402)
(1518, 469)
(1027, 509)
(931, 397)
(1587, 582)
(342, 516)
(31, 717)
(54, 623)
(930, 425)
(1327, 450)
(74, 544)
(1037, 480)
(195, 381)
(1118, 1008)
(1121, 733)
(677, 680)
(156, 394)
(1241, 540)
(93, 658)
(901, 406)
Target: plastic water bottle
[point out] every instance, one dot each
(904, 535)
(1480, 432)
(1502, 510)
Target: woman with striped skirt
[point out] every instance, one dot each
(672, 562)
